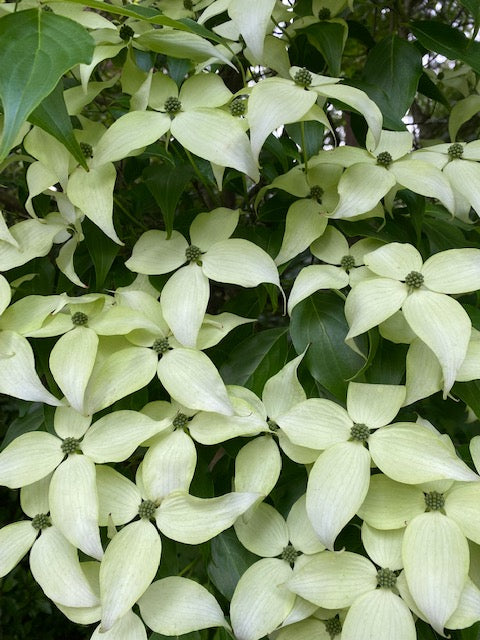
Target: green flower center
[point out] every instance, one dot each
(455, 151)
(303, 77)
(360, 432)
(384, 159)
(386, 579)
(161, 345)
(316, 193)
(126, 32)
(434, 501)
(272, 425)
(414, 280)
(347, 262)
(289, 554)
(193, 253)
(41, 521)
(180, 420)
(87, 149)
(324, 14)
(79, 319)
(238, 107)
(333, 626)
(70, 445)
(147, 509)
(172, 106)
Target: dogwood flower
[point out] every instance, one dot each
(212, 254)
(421, 291)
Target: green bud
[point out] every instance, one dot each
(193, 253)
(87, 149)
(180, 421)
(360, 432)
(347, 262)
(147, 509)
(324, 14)
(434, 501)
(386, 579)
(41, 521)
(384, 159)
(455, 151)
(289, 554)
(172, 106)
(303, 77)
(316, 193)
(161, 346)
(238, 107)
(126, 32)
(333, 626)
(79, 319)
(70, 445)
(414, 280)
(272, 425)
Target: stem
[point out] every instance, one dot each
(304, 150)
(200, 176)
(129, 215)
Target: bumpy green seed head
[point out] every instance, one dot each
(238, 107)
(180, 421)
(41, 521)
(272, 425)
(333, 626)
(324, 14)
(360, 432)
(193, 253)
(79, 319)
(172, 106)
(70, 445)
(147, 509)
(289, 554)
(87, 149)
(455, 151)
(161, 345)
(414, 280)
(316, 193)
(303, 77)
(434, 501)
(384, 159)
(126, 32)
(347, 262)
(386, 578)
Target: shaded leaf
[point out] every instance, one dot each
(44, 46)
(51, 116)
(319, 322)
(329, 39)
(229, 562)
(167, 183)
(102, 250)
(448, 42)
(256, 359)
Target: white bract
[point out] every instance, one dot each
(421, 290)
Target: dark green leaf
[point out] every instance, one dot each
(428, 88)
(31, 421)
(395, 66)
(469, 392)
(448, 42)
(313, 133)
(359, 32)
(473, 6)
(257, 359)
(473, 633)
(166, 183)
(102, 250)
(51, 116)
(443, 235)
(388, 366)
(319, 321)
(229, 562)
(416, 208)
(36, 49)
(328, 38)
(194, 635)
(379, 96)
